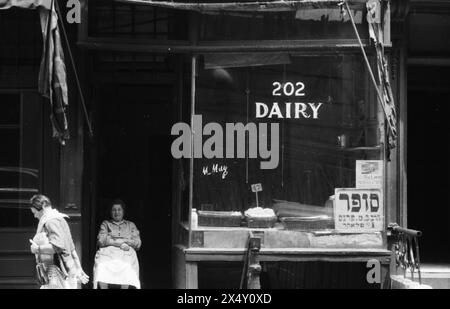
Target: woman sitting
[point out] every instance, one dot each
(116, 261)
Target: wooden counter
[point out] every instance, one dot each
(187, 259)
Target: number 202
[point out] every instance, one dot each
(288, 89)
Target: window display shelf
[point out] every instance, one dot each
(289, 254)
(372, 148)
(279, 238)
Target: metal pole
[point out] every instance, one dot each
(191, 169)
(416, 240)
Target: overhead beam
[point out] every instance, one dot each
(430, 6)
(251, 6)
(429, 61)
(212, 47)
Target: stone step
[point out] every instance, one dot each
(435, 275)
(437, 283)
(399, 282)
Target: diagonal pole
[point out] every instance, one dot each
(83, 103)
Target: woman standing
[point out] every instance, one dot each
(54, 249)
(116, 261)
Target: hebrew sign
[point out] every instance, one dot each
(358, 210)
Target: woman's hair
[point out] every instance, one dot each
(40, 201)
(117, 202)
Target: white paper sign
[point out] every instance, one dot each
(257, 187)
(369, 174)
(358, 210)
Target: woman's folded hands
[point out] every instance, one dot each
(128, 243)
(124, 246)
(122, 243)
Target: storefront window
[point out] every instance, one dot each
(19, 159)
(322, 122)
(119, 20)
(324, 24)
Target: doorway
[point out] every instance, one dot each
(134, 164)
(429, 160)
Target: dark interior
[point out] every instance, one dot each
(288, 275)
(428, 159)
(134, 164)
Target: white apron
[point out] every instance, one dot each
(116, 266)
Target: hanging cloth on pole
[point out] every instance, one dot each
(52, 82)
(376, 34)
(52, 74)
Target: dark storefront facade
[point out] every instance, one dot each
(145, 66)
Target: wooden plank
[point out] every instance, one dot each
(251, 6)
(135, 78)
(179, 268)
(303, 251)
(12, 266)
(403, 136)
(385, 276)
(19, 283)
(287, 258)
(15, 240)
(429, 61)
(210, 47)
(331, 255)
(191, 275)
(430, 7)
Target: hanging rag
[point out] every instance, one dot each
(52, 82)
(376, 34)
(52, 74)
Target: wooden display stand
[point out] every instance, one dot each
(326, 248)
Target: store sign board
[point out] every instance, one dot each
(369, 174)
(358, 210)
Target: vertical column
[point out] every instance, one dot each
(191, 275)
(399, 13)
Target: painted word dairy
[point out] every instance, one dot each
(290, 110)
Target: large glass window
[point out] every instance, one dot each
(304, 24)
(120, 20)
(20, 48)
(19, 159)
(328, 122)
